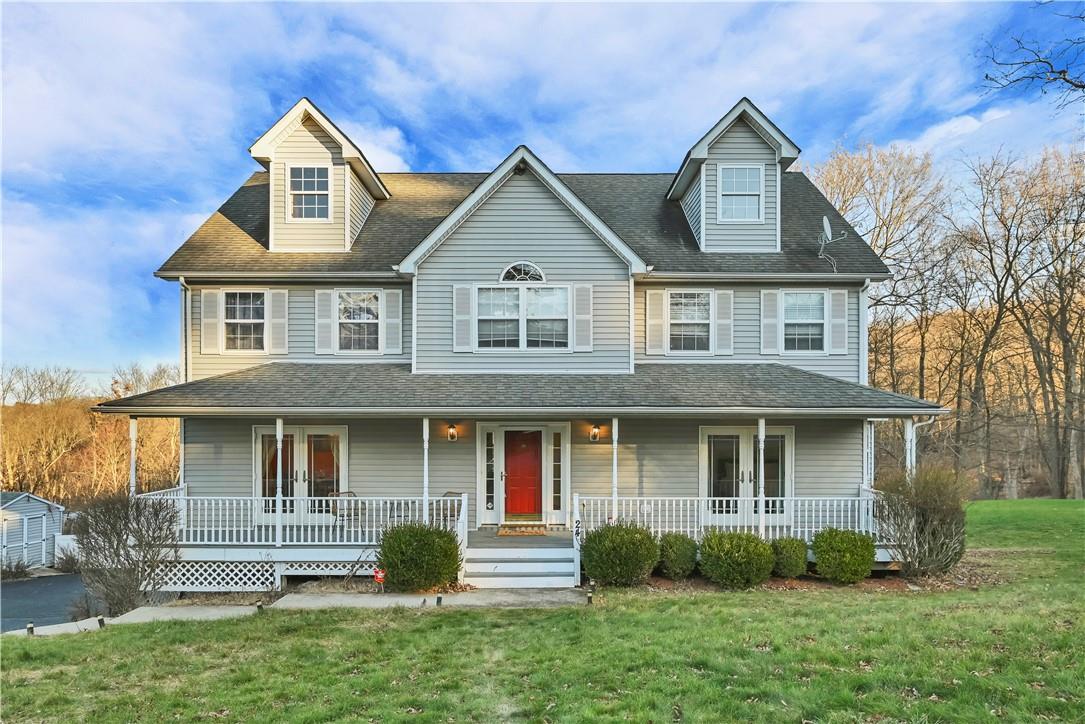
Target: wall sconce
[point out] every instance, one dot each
(594, 434)
(453, 436)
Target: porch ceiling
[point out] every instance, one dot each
(330, 389)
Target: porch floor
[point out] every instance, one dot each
(488, 538)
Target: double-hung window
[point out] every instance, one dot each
(547, 317)
(690, 321)
(804, 321)
(741, 194)
(243, 321)
(499, 317)
(359, 320)
(310, 193)
(523, 315)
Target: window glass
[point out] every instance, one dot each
(244, 321)
(740, 193)
(522, 273)
(489, 471)
(359, 321)
(804, 321)
(690, 321)
(547, 317)
(309, 189)
(499, 318)
(557, 471)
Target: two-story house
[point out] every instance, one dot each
(519, 348)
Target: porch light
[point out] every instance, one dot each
(453, 436)
(594, 434)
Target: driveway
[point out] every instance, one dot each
(42, 600)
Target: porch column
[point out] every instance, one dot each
(761, 476)
(278, 482)
(425, 470)
(909, 446)
(133, 428)
(614, 468)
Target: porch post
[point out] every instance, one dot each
(909, 446)
(133, 428)
(614, 468)
(278, 482)
(761, 476)
(425, 470)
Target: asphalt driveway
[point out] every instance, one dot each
(42, 600)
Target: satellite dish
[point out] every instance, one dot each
(826, 228)
(826, 238)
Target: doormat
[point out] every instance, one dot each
(522, 530)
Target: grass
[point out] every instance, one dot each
(826, 655)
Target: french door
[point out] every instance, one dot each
(314, 466)
(728, 473)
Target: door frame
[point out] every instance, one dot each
(549, 485)
(746, 514)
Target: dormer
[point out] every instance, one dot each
(322, 187)
(729, 183)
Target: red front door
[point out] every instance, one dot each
(523, 473)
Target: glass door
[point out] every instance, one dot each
(729, 468)
(268, 464)
(322, 473)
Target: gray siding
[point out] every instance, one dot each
(523, 220)
(301, 332)
(308, 144)
(27, 513)
(361, 203)
(691, 206)
(741, 144)
(747, 331)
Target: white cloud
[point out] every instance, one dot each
(384, 146)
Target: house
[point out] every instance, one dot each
(28, 528)
(515, 348)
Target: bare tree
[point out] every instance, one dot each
(1054, 67)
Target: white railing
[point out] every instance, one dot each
(346, 520)
(176, 492)
(801, 517)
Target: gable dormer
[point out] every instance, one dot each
(322, 187)
(729, 184)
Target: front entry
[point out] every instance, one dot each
(523, 475)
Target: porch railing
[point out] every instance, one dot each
(801, 517)
(220, 520)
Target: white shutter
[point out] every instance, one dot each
(838, 321)
(462, 318)
(210, 321)
(654, 308)
(582, 318)
(325, 321)
(770, 321)
(277, 321)
(725, 325)
(393, 321)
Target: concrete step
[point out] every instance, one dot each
(557, 566)
(519, 553)
(523, 580)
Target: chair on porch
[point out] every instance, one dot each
(347, 515)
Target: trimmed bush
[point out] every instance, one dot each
(677, 555)
(619, 554)
(843, 556)
(790, 557)
(418, 557)
(735, 560)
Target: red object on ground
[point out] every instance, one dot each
(378, 575)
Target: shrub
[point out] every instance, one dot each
(619, 554)
(735, 560)
(417, 557)
(677, 555)
(789, 556)
(843, 556)
(922, 519)
(12, 570)
(67, 560)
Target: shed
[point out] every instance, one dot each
(28, 525)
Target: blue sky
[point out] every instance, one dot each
(126, 125)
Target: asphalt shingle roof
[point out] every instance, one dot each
(235, 238)
(392, 387)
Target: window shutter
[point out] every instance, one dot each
(725, 310)
(461, 318)
(838, 321)
(210, 321)
(582, 318)
(393, 321)
(654, 307)
(278, 304)
(325, 321)
(770, 321)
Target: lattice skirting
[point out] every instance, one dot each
(215, 576)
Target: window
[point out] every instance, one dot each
(690, 315)
(740, 192)
(529, 316)
(804, 321)
(244, 321)
(359, 321)
(309, 192)
(522, 271)
(490, 474)
(556, 477)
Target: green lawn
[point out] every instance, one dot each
(1014, 651)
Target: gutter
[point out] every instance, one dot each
(299, 276)
(766, 276)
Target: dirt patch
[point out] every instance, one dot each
(227, 599)
(694, 583)
(978, 568)
(882, 584)
(363, 584)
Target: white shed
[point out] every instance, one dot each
(28, 525)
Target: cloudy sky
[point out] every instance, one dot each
(126, 125)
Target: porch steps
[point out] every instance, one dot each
(519, 567)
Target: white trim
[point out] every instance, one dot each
(632, 325)
(288, 200)
(336, 321)
(781, 323)
(864, 340)
(760, 194)
(414, 325)
(35, 497)
(497, 177)
(300, 433)
(222, 321)
(548, 516)
(779, 191)
(270, 202)
(523, 318)
(667, 351)
(703, 241)
(348, 212)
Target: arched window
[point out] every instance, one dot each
(522, 271)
